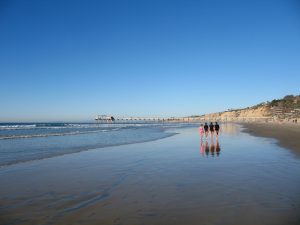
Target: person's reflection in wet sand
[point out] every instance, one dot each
(201, 147)
(218, 148)
(212, 147)
(206, 148)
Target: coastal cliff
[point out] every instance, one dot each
(286, 109)
(261, 112)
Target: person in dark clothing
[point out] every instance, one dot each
(211, 129)
(217, 128)
(206, 129)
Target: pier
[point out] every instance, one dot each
(106, 118)
(191, 119)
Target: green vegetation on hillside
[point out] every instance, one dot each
(289, 101)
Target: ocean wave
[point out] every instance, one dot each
(63, 129)
(50, 134)
(15, 127)
(77, 132)
(57, 126)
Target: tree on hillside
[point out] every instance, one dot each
(274, 102)
(288, 97)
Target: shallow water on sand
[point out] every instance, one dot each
(169, 181)
(26, 142)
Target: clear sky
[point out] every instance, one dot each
(71, 60)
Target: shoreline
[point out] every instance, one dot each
(287, 135)
(79, 150)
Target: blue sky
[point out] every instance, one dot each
(71, 60)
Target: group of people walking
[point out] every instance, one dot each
(212, 128)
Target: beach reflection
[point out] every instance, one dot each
(218, 148)
(210, 148)
(230, 129)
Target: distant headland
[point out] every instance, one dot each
(286, 109)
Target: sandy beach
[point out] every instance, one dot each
(168, 181)
(288, 135)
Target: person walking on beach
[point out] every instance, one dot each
(211, 129)
(206, 129)
(201, 129)
(217, 128)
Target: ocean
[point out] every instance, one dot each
(21, 142)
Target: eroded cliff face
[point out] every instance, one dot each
(286, 109)
(249, 113)
(262, 111)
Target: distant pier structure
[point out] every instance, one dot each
(108, 119)
(104, 118)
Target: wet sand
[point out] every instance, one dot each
(248, 181)
(288, 135)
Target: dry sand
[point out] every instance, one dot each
(288, 135)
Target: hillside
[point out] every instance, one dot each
(285, 109)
